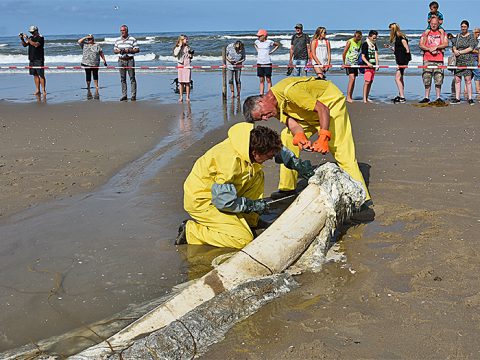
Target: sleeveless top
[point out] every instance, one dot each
(321, 51)
(353, 52)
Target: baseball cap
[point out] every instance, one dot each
(262, 32)
(299, 26)
(32, 29)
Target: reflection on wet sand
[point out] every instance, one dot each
(233, 110)
(95, 96)
(186, 118)
(199, 258)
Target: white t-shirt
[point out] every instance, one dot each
(264, 48)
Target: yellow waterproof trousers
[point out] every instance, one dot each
(223, 229)
(341, 144)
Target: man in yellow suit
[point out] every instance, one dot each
(308, 106)
(223, 192)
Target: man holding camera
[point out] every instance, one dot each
(36, 57)
(126, 46)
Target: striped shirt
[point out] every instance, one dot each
(129, 43)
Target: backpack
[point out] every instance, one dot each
(360, 61)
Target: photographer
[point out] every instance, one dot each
(36, 57)
(184, 55)
(92, 53)
(126, 46)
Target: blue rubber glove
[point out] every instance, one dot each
(258, 206)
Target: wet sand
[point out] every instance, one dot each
(101, 237)
(409, 288)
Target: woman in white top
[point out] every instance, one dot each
(264, 49)
(321, 52)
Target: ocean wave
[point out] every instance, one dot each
(68, 59)
(254, 37)
(3, 45)
(111, 41)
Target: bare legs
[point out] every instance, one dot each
(350, 87)
(262, 83)
(39, 81)
(458, 86)
(400, 83)
(187, 91)
(366, 91)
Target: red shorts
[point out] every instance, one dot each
(369, 74)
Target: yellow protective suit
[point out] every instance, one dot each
(225, 163)
(296, 99)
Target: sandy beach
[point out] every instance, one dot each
(91, 197)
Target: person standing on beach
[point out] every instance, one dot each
(369, 58)
(235, 56)
(402, 58)
(463, 47)
(433, 43)
(264, 49)
(36, 57)
(92, 52)
(184, 55)
(321, 52)
(476, 54)
(126, 46)
(308, 106)
(350, 55)
(299, 51)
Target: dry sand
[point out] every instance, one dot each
(409, 288)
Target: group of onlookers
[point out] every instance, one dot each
(305, 55)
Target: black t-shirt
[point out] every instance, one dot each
(369, 53)
(400, 51)
(36, 53)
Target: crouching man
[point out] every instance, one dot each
(224, 190)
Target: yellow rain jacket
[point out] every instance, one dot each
(296, 99)
(226, 163)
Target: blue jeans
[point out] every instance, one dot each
(300, 66)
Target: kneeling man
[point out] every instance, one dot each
(224, 190)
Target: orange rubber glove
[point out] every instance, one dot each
(321, 145)
(301, 141)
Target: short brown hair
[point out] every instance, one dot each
(264, 140)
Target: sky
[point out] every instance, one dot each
(55, 17)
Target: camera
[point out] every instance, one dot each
(191, 51)
(21, 35)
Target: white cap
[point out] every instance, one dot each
(32, 29)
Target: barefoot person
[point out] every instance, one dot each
(224, 190)
(309, 106)
(184, 55)
(369, 58)
(92, 52)
(235, 56)
(36, 57)
(350, 56)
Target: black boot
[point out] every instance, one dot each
(182, 234)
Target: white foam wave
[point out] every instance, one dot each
(254, 37)
(111, 41)
(67, 59)
(3, 45)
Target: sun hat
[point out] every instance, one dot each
(32, 28)
(299, 26)
(262, 32)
